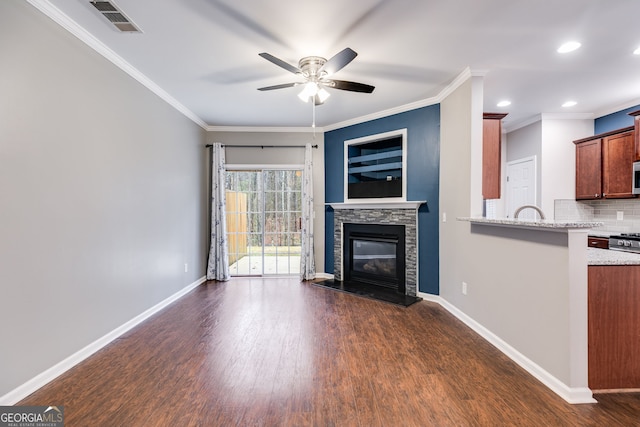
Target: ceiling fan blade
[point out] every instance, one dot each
(350, 86)
(280, 63)
(282, 86)
(339, 61)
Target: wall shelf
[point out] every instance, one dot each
(375, 166)
(392, 167)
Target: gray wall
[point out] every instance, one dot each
(103, 198)
(282, 156)
(517, 279)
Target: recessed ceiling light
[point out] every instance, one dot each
(569, 47)
(637, 51)
(504, 103)
(569, 104)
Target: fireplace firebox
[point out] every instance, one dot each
(375, 254)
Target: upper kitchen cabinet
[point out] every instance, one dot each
(636, 132)
(618, 155)
(491, 154)
(589, 169)
(604, 165)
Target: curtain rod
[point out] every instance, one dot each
(263, 146)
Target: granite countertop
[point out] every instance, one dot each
(542, 225)
(611, 257)
(602, 233)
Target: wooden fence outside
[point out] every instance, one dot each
(236, 225)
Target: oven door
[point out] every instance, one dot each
(636, 178)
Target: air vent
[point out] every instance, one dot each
(115, 16)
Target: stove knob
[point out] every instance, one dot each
(620, 242)
(627, 243)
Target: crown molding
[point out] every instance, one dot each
(265, 129)
(455, 83)
(383, 113)
(521, 123)
(567, 116)
(70, 25)
(610, 110)
(546, 116)
(83, 35)
(460, 78)
(466, 74)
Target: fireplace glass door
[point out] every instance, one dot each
(374, 257)
(375, 254)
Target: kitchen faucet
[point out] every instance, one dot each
(537, 209)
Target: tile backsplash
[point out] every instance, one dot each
(601, 210)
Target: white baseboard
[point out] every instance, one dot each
(324, 276)
(430, 297)
(58, 369)
(572, 395)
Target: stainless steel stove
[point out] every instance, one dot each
(628, 242)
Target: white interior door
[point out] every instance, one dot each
(521, 187)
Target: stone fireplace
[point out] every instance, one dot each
(403, 215)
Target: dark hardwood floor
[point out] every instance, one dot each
(275, 352)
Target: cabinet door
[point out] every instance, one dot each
(636, 132)
(618, 154)
(491, 157)
(614, 322)
(589, 169)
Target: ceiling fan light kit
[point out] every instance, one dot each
(314, 90)
(322, 95)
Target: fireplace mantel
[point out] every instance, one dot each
(378, 205)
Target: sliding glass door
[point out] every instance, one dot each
(263, 221)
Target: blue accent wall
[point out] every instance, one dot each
(614, 121)
(423, 180)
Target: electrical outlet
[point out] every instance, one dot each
(620, 215)
(444, 217)
(464, 288)
(186, 267)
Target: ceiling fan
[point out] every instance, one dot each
(315, 72)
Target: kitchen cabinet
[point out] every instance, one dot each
(589, 169)
(604, 165)
(491, 154)
(598, 242)
(614, 322)
(636, 132)
(618, 155)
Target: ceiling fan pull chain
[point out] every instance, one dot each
(313, 123)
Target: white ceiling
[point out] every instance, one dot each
(204, 53)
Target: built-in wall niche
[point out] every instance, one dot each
(375, 167)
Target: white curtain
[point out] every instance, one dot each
(307, 264)
(218, 266)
